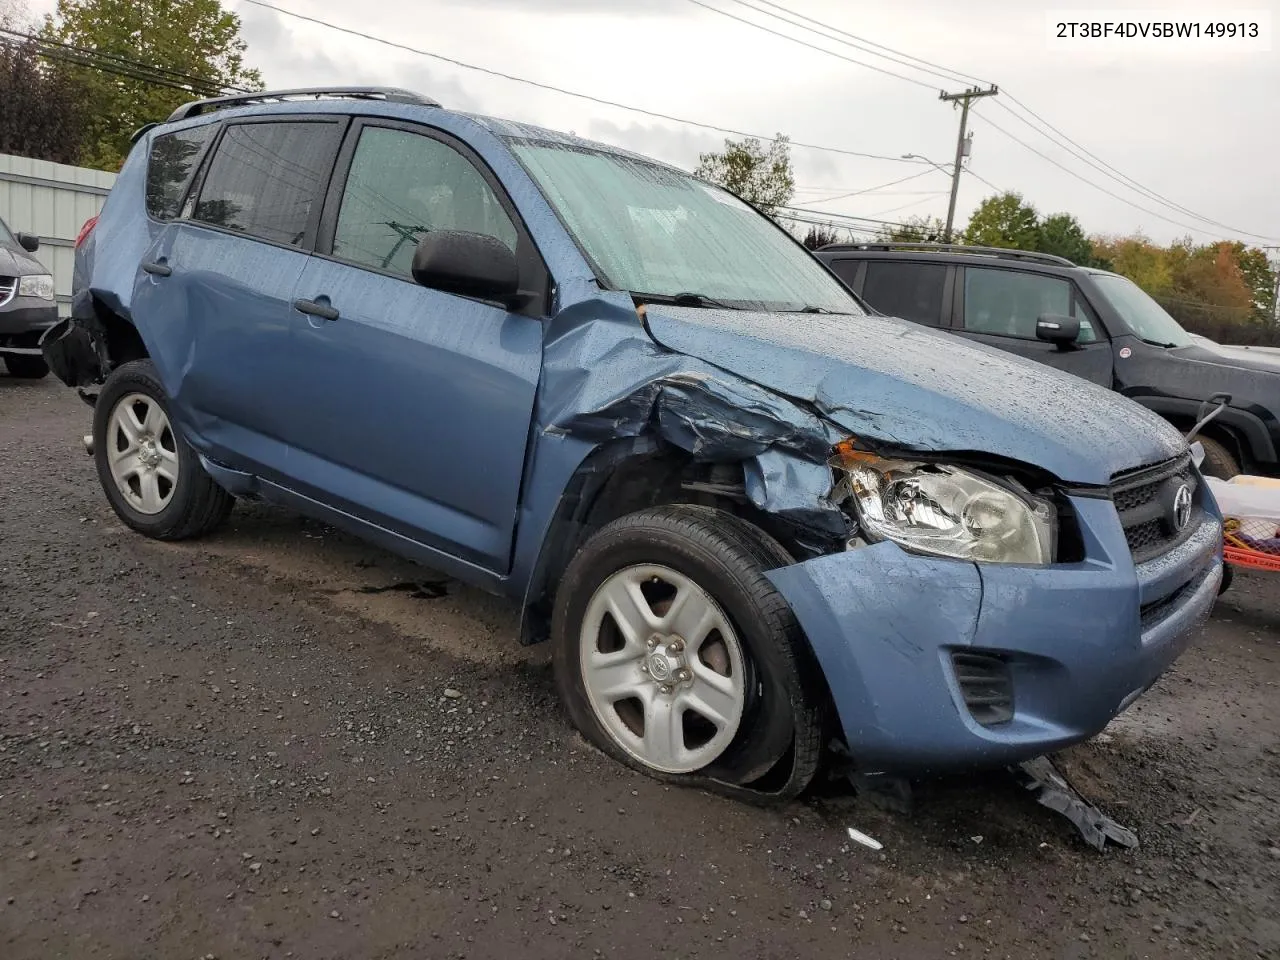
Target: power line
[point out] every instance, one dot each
(941, 72)
(1077, 150)
(891, 183)
(87, 62)
(1108, 170)
(562, 90)
(806, 43)
(1096, 186)
(117, 59)
(913, 203)
(954, 74)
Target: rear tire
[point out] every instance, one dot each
(151, 476)
(751, 700)
(1218, 460)
(24, 367)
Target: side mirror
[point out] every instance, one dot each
(1063, 331)
(468, 264)
(29, 242)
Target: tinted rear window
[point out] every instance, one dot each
(172, 163)
(912, 291)
(266, 178)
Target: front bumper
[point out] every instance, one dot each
(22, 322)
(1080, 642)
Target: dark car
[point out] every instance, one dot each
(748, 515)
(1093, 323)
(27, 307)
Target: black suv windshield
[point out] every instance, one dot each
(1143, 315)
(6, 238)
(655, 231)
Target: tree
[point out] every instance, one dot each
(820, 236)
(180, 50)
(761, 177)
(43, 110)
(913, 230)
(1004, 221)
(1062, 236)
(1259, 277)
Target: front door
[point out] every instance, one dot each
(1000, 307)
(413, 406)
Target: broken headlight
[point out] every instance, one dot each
(946, 510)
(39, 285)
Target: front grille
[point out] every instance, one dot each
(1145, 501)
(985, 685)
(8, 287)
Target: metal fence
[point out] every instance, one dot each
(51, 200)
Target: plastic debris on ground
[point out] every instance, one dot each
(1052, 790)
(859, 837)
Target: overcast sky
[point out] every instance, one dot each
(1192, 122)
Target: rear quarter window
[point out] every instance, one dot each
(912, 291)
(170, 166)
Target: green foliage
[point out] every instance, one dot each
(192, 43)
(821, 236)
(1004, 220)
(761, 177)
(1062, 235)
(913, 230)
(43, 111)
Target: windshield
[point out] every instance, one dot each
(652, 230)
(6, 238)
(1145, 317)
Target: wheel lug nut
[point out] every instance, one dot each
(684, 676)
(666, 688)
(644, 668)
(676, 646)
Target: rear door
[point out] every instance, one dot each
(918, 291)
(214, 292)
(1000, 307)
(413, 405)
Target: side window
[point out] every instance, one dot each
(912, 291)
(402, 185)
(265, 178)
(846, 270)
(170, 167)
(1008, 303)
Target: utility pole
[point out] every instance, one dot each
(1272, 316)
(973, 93)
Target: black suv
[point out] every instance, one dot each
(1092, 323)
(27, 307)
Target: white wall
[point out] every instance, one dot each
(53, 201)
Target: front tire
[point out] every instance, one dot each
(1218, 461)
(24, 367)
(675, 655)
(151, 476)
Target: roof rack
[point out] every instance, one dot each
(1002, 252)
(388, 94)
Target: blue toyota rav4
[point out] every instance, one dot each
(748, 515)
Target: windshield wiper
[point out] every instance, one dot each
(685, 300)
(1157, 343)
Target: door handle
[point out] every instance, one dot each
(158, 269)
(314, 308)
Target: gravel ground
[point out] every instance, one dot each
(282, 743)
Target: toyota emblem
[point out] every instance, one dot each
(1181, 507)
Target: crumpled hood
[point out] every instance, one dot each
(907, 385)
